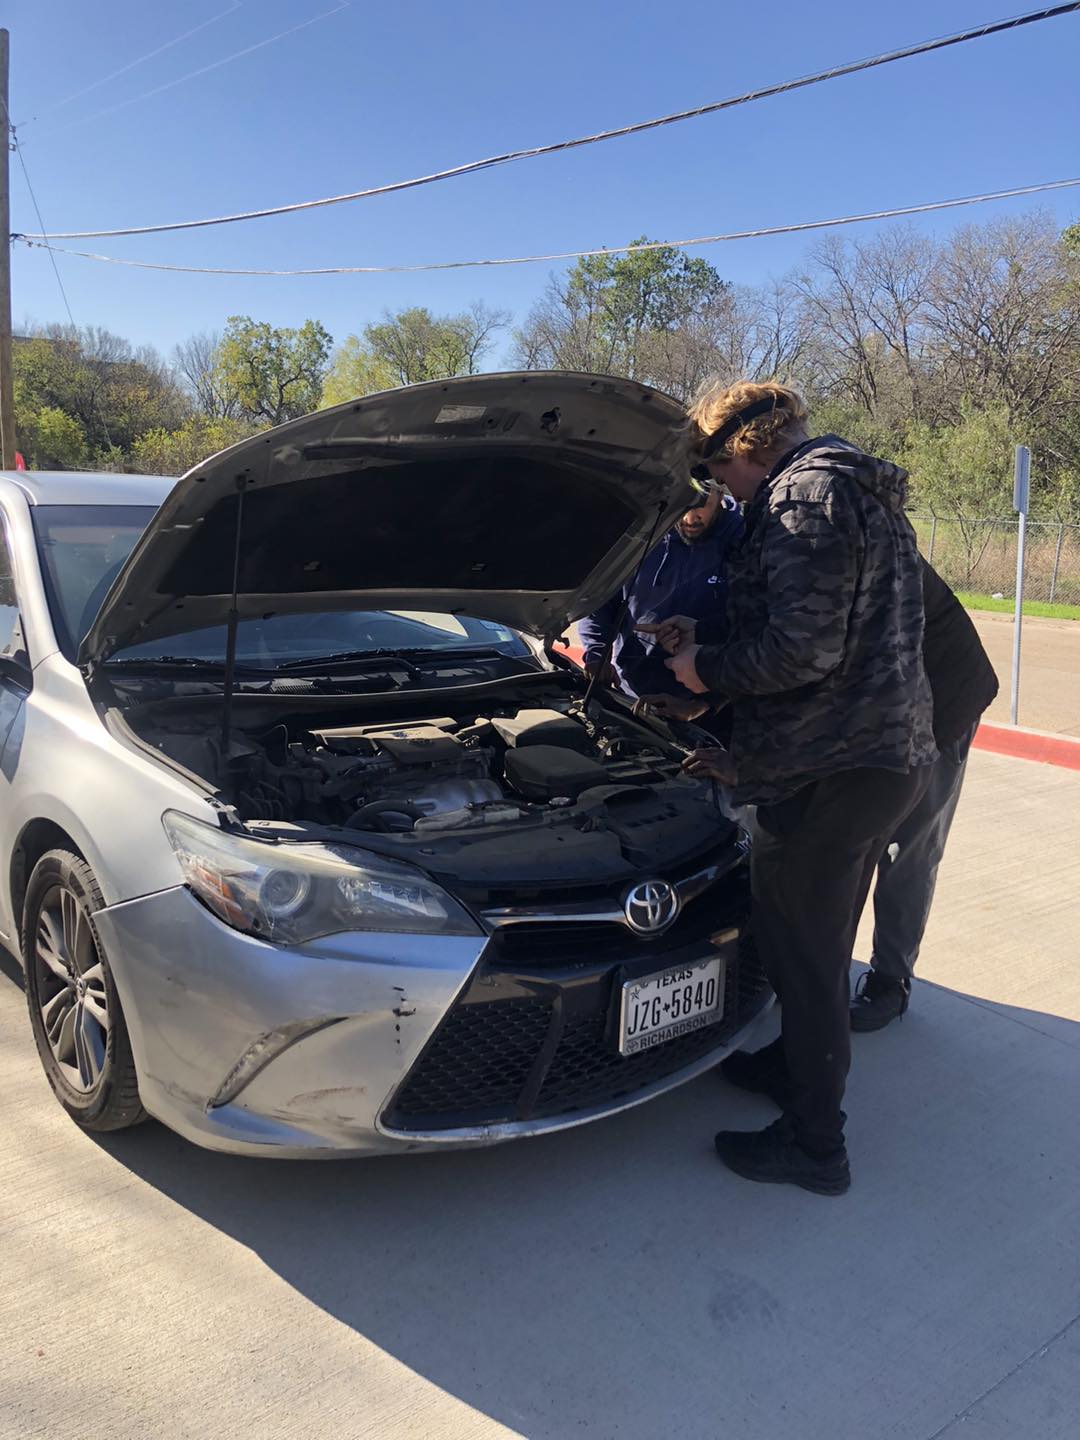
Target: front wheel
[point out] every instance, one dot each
(75, 1013)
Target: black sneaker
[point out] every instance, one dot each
(877, 1000)
(763, 1072)
(775, 1157)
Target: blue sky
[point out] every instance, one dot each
(379, 92)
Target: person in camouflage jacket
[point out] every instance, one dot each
(832, 736)
(826, 597)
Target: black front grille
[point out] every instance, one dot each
(533, 1035)
(482, 1052)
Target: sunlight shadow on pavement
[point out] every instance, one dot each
(618, 1281)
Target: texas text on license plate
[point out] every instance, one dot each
(668, 1003)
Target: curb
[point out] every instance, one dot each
(1021, 744)
(1014, 741)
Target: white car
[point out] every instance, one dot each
(305, 848)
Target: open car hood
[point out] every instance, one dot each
(525, 498)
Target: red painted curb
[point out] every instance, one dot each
(1062, 750)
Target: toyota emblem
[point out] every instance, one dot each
(651, 906)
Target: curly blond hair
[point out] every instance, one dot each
(714, 403)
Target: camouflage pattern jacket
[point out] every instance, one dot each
(824, 666)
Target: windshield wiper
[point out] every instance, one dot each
(384, 659)
(185, 662)
(355, 659)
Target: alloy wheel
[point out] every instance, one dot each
(72, 994)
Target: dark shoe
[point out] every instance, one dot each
(763, 1072)
(775, 1157)
(877, 1000)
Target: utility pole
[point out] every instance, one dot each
(7, 398)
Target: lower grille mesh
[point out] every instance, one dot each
(479, 1059)
(475, 1069)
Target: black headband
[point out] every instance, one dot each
(736, 422)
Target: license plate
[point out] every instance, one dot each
(668, 1003)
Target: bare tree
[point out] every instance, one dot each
(1005, 318)
(773, 328)
(197, 362)
(847, 346)
(897, 272)
(564, 330)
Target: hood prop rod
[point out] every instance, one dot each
(620, 617)
(230, 634)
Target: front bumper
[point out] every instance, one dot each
(245, 1047)
(360, 1044)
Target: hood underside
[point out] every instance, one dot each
(525, 498)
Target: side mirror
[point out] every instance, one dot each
(16, 669)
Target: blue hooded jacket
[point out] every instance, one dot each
(676, 579)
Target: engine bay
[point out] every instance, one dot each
(430, 774)
(501, 792)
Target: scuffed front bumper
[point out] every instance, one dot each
(244, 1047)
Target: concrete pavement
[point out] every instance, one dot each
(613, 1282)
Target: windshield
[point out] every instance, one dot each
(82, 550)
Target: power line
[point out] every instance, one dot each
(34, 241)
(37, 211)
(133, 64)
(203, 70)
(923, 48)
(52, 257)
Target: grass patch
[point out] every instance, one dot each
(1037, 608)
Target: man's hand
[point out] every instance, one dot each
(711, 764)
(671, 634)
(671, 707)
(607, 673)
(684, 667)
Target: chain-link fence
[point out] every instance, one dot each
(980, 556)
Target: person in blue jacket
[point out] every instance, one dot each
(686, 574)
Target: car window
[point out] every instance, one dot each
(11, 635)
(83, 548)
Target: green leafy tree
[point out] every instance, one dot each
(654, 315)
(275, 373)
(112, 391)
(175, 452)
(354, 371)
(51, 439)
(409, 347)
(415, 345)
(964, 471)
(852, 422)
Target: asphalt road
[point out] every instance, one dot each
(614, 1282)
(1049, 670)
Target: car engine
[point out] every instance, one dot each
(439, 773)
(541, 790)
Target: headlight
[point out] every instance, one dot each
(291, 893)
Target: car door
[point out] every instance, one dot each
(16, 682)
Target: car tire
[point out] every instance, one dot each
(75, 1012)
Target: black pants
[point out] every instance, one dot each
(813, 859)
